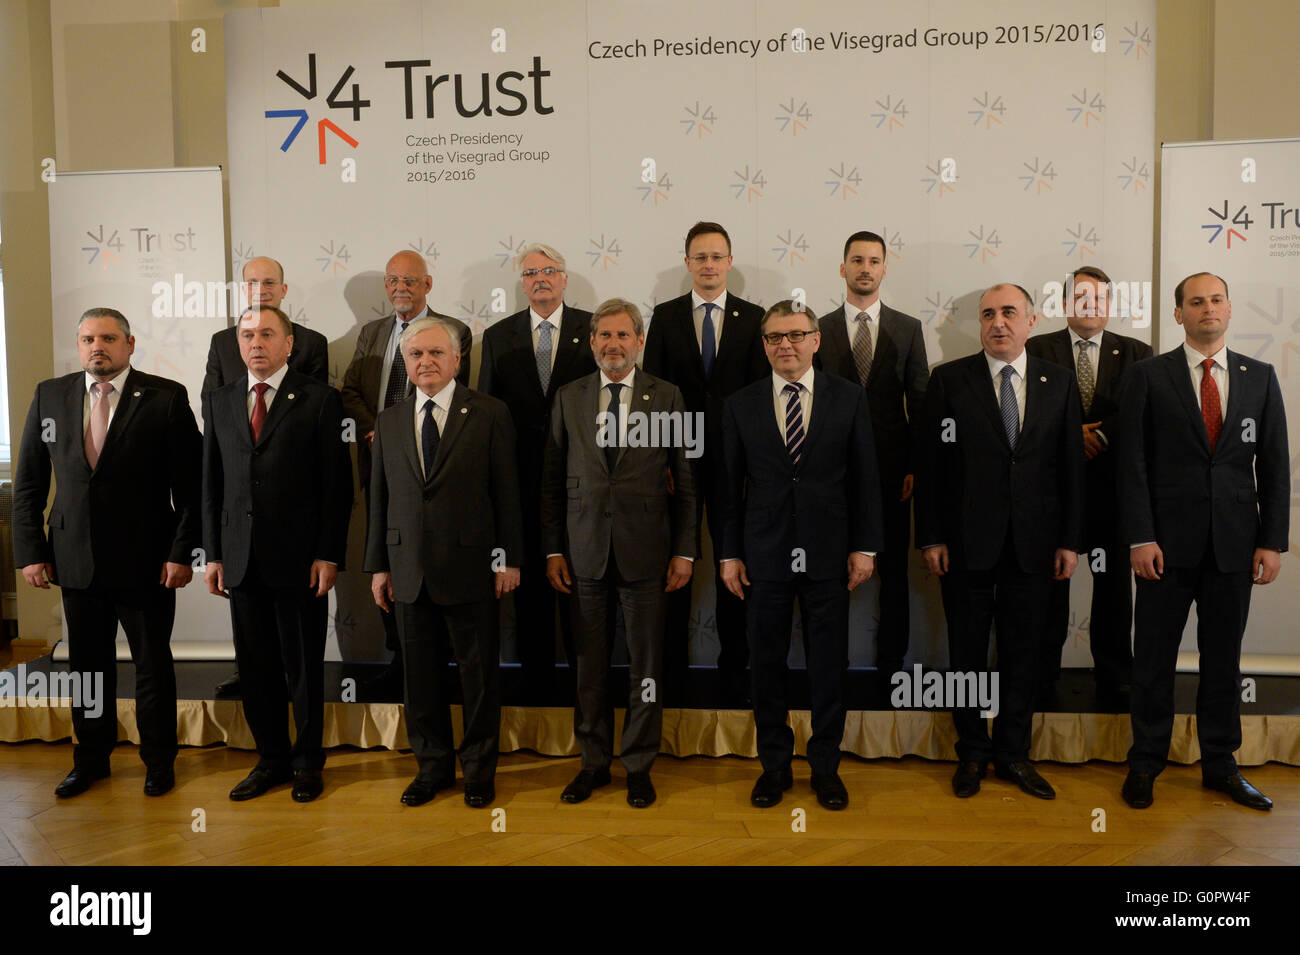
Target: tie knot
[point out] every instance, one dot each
(1081, 344)
(708, 309)
(545, 325)
(1007, 372)
(103, 388)
(863, 317)
(614, 388)
(1208, 364)
(261, 387)
(404, 324)
(791, 390)
(429, 406)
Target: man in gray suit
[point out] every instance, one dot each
(609, 522)
(445, 542)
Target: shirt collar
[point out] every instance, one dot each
(720, 301)
(118, 382)
(274, 381)
(536, 320)
(1075, 338)
(397, 319)
(806, 381)
(606, 381)
(442, 397)
(1194, 358)
(872, 310)
(997, 364)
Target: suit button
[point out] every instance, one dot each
(796, 480)
(248, 513)
(257, 484)
(257, 451)
(608, 514)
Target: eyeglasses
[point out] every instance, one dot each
(264, 283)
(796, 336)
(533, 273)
(390, 281)
(701, 257)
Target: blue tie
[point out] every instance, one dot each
(544, 354)
(793, 423)
(708, 345)
(429, 439)
(1010, 413)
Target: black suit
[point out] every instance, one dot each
(310, 356)
(269, 510)
(442, 539)
(1111, 618)
(672, 352)
(895, 389)
(508, 371)
(1208, 511)
(823, 510)
(111, 529)
(1003, 512)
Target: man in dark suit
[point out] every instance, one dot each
(445, 542)
(376, 378)
(1099, 358)
(264, 288)
(124, 451)
(882, 350)
(706, 342)
(609, 523)
(277, 491)
(526, 359)
(1204, 500)
(802, 519)
(999, 515)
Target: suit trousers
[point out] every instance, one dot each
(824, 613)
(893, 632)
(1110, 621)
(536, 603)
(146, 614)
(1222, 605)
(475, 634)
(1016, 602)
(643, 603)
(280, 650)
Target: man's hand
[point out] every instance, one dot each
(323, 576)
(214, 575)
(507, 580)
(175, 576)
(733, 576)
(1265, 565)
(907, 488)
(1092, 445)
(861, 568)
(381, 588)
(1148, 561)
(557, 572)
(936, 559)
(370, 439)
(1064, 564)
(679, 573)
(39, 575)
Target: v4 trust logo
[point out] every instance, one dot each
(333, 100)
(1241, 217)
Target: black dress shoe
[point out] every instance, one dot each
(307, 785)
(1240, 791)
(769, 787)
(77, 782)
(159, 781)
(582, 785)
(478, 795)
(830, 791)
(1027, 778)
(229, 687)
(640, 791)
(1137, 789)
(966, 780)
(258, 782)
(422, 789)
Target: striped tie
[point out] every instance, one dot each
(862, 348)
(1087, 377)
(544, 354)
(793, 423)
(1010, 413)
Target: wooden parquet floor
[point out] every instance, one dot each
(901, 812)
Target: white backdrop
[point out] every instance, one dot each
(1005, 143)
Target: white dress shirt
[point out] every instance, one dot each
(873, 323)
(441, 407)
(1219, 373)
(719, 313)
(114, 396)
(274, 381)
(1017, 381)
(624, 401)
(535, 322)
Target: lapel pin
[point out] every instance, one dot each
(289, 396)
(136, 394)
(735, 313)
(575, 341)
(1115, 351)
(645, 397)
(464, 411)
(1042, 377)
(1242, 367)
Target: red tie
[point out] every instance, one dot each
(259, 410)
(1211, 409)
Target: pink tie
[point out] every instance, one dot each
(98, 429)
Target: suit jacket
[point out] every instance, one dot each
(361, 395)
(587, 510)
(508, 371)
(139, 507)
(899, 372)
(289, 496)
(311, 356)
(828, 506)
(972, 486)
(1174, 491)
(442, 533)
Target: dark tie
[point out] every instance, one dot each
(544, 354)
(1087, 376)
(429, 439)
(1010, 413)
(793, 423)
(708, 343)
(1211, 405)
(615, 409)
(862, 348)
(397, 379)
(258, 417)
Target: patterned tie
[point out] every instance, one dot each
(709, 344)
(258, 417)
(1087, 376)
(429, 439)
(1010, 413)
(397, 379)
(793, 423)
(862, 348)
(1211, 406)
(616, 409)
(544, 354)
(98, 429)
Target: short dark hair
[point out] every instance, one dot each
(618, 306)
(1091, 272)
(787, 307)
(1178, 290)
(863, 236)
(112, 313)
(1029, 299)
(706, 228)
(285, 325)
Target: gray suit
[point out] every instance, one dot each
(618, 532)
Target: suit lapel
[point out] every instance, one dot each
(456, 415)
(1236, 399)
(642, 399)
(1107, 366)
(835, 342)
(1035, 395)
(885, 353)
(588, 422)
(406, 429)
(569, 342)
(281, 406)
(1181, 379)
(127, 403)
(981, 384)
(522, 340)
(74, 400)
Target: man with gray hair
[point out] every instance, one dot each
(527, 358)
